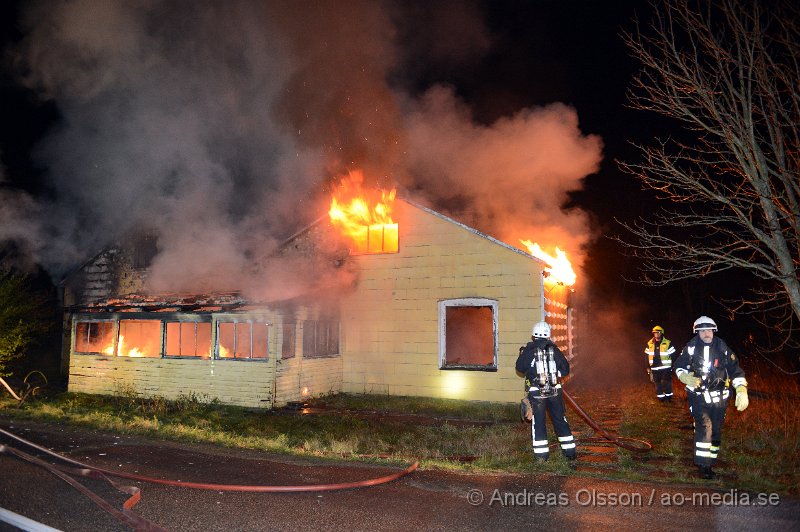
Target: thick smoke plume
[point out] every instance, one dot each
(219, 126)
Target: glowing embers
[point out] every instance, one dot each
(559, 266)
(365, 217)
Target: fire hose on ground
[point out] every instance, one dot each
(127, 516)
(137, 522)
(621, 441)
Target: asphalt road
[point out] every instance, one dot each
(421, 500)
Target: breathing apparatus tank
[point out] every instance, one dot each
(547, 374)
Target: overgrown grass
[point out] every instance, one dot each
(759, 447)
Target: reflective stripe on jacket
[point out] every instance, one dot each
(665, 349)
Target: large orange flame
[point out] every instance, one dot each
(364, 216)
(558, 265)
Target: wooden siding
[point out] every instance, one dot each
(316, 376)
(390, 335)
(236, 382)
(249, 383)
(389, 328)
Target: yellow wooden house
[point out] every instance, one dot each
(438, 309)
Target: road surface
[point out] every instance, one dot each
(421, 500)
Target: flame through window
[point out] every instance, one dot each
(139, 338)
(364, 215)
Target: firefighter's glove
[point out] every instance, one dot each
(741, 398)
(525, 410)
(689, 380)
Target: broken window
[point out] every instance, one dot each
(320, 338)
(139, 338)
(288, 343)
(188, 339)
(243, 339)
(94, 337)
(468, 334)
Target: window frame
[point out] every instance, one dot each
(331, 325)
(288, 351)
(467, 302)
(370, 232)
(250, 321)
(195, 322)
(144, 250)
(114, 332)
(161, 332)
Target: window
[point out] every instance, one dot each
(468, 334)
(378, 238)
(139, 338)
(243, 339)
(94, 337)
(145, 248)
(288, 344)
(320, 338)
(188, 339)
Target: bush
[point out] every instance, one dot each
(25, 318)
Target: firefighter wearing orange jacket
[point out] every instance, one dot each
(708, 368)
(659, 352)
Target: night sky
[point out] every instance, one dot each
(257, 94)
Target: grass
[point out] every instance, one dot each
(759, 447)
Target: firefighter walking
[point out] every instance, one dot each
(707, 367)
(659, 352)
(543, 365)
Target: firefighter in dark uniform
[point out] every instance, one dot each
(659, 352)
(543, 365)
(708, 368)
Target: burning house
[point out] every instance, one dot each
(431, 308)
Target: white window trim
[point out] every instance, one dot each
(467, 302)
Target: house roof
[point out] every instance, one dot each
(428, 210)
(473, 230)
(236, 301)
(166, 303)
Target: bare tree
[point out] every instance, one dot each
(729, 72)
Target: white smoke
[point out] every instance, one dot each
(512, 175)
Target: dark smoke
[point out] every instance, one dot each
(220, 126)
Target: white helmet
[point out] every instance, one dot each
(704, 323)
(541, 330)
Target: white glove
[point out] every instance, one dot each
(741, 398)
